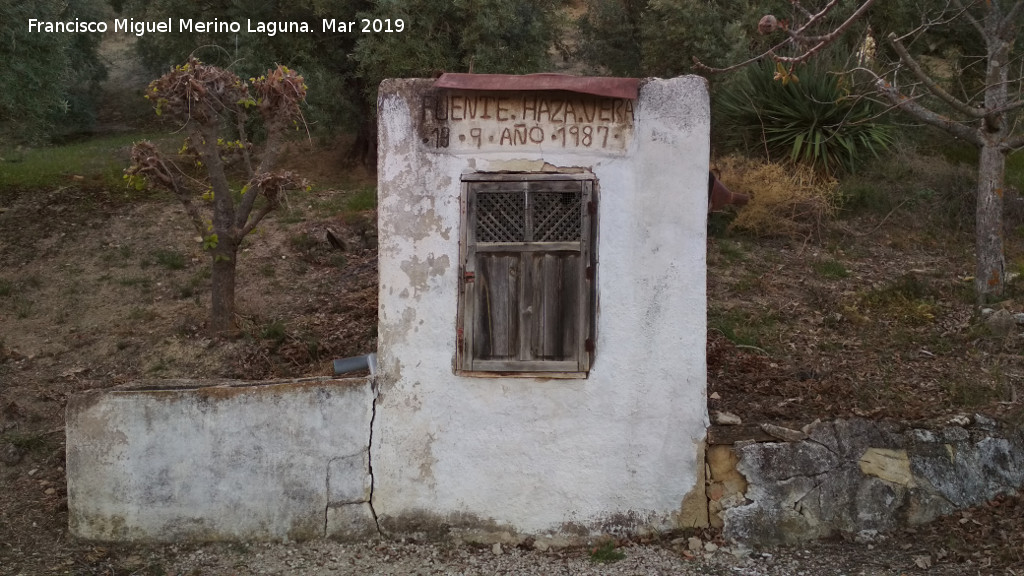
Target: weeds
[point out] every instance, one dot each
(361, 200)
(194, 284)
(169, 259)
(606, 553)
(135, 282)
(142, 315)
(274, 331)
(97, 161)
(731, 251)
(742, 329)
(38, 443)
(969, 394)
(302, 242)
(6, 288)
(831, 269)
(23, 307)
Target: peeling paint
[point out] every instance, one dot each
(536, 454)
(422, 272)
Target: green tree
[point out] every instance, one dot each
(482, 36)
(659, 37)
(51, 80)
(210, 102)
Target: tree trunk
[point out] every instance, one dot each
(222, 310)
(988, 278)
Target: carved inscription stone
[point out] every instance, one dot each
(472, 121)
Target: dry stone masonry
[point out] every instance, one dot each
(859, 476)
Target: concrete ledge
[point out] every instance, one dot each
(232, 461)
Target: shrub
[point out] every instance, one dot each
(808, 117)
(784, 200)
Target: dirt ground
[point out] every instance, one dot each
(100, 288)
(871, 317)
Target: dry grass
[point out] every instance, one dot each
(785, 200)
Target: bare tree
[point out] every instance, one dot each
(211, 101)
(987, 117)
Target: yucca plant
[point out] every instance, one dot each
(808, 115)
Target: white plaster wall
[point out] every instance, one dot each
(269, 461)
(620, 448)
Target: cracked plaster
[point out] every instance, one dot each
(535, 455)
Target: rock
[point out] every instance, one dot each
(710, 547)
(541, 546)
(866, 536)
(739, 551)
(694, 544)
(893, 466)
(496, 549)
(783, 433)
(10, 454)
(984, 422)
(987, 311)
(726, 418)
(1019, 318)
(1000, 323)
(959, 420)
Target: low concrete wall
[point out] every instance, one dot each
(856, 475)
(285, 460)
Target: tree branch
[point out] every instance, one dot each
(910, 106)
(240, 117)
(826, 39)
(274, 138)
(970, 18)
(1013, 144)
(931, 84)
(255, 220)
(148, 161)
(822, 41)
(1006, 28)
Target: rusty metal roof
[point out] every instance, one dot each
(598, 86)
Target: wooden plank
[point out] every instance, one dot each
(530, 366)
(573, 375)
(528, 246)
(524, 177)
(554, 334)
(587, 320)
(496, 333)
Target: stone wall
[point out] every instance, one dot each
(859, 476)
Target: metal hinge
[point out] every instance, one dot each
(469, 276)
(588, 345)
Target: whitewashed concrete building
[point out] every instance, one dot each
(538, 376)
(541, 344)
